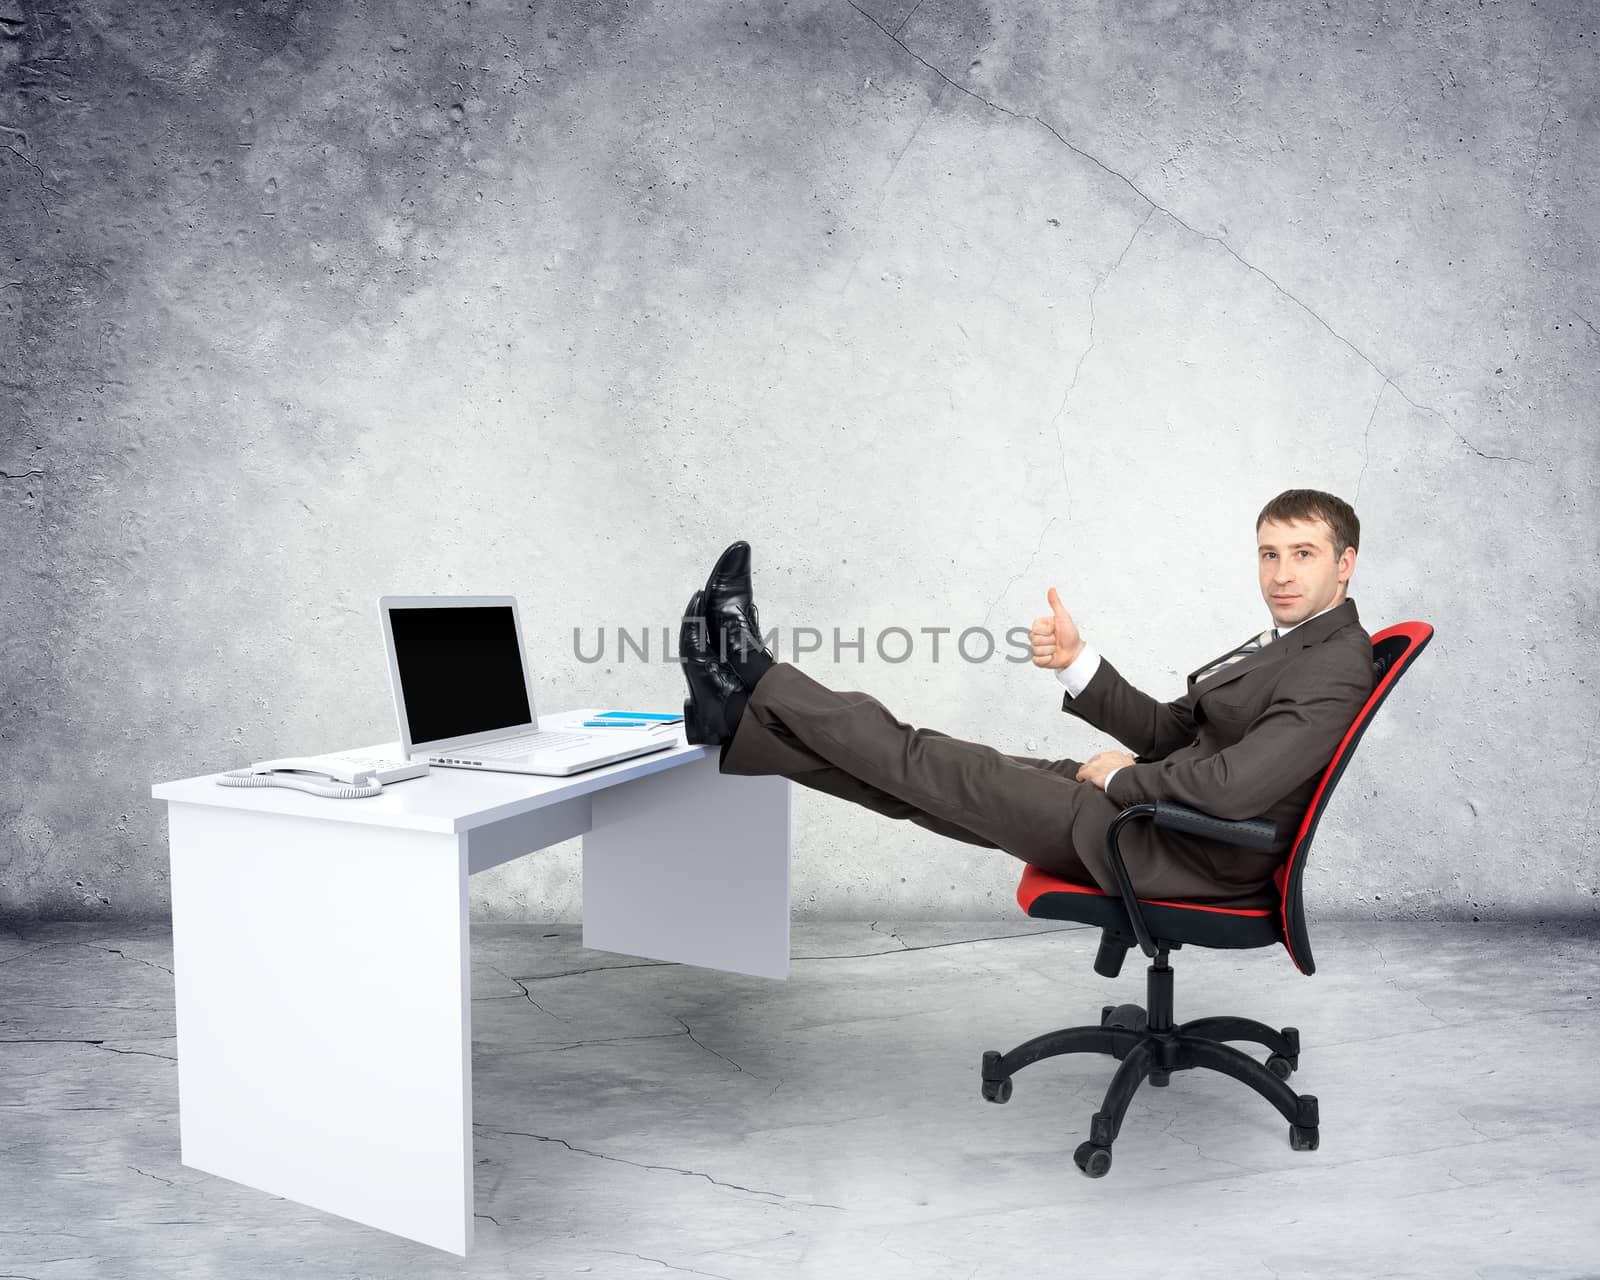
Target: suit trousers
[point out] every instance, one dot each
(847, 744)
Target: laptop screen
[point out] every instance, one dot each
(460, 670)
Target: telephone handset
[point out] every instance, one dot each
(340, 777)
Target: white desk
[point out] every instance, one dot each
(337, 1070)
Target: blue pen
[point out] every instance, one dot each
(616, 724)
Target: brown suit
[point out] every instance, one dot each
(1249, 741)
(1253, 750)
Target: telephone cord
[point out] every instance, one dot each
(330, 787)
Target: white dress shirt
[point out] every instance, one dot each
(1077, 674)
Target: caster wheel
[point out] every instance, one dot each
(1280, 1066)
(1094, 1160)
(997, 1090)
(1160, 1079)
(1303, 1138)
(1129, 1016)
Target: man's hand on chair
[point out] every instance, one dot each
(1055, 637)
(1096, 767)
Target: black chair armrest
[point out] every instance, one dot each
(1255, 833)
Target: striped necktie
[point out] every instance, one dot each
(1243, 651)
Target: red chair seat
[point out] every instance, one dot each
(1048, 897)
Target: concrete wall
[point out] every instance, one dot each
(938, 304)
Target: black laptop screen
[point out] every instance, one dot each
(460, 670)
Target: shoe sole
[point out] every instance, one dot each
(694, 728)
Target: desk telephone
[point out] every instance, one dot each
(341, 776)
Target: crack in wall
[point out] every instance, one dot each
(1549, 107)
(1016, 577)
(1588, 808)
(1158, 207)
(1366, 452)
(908, 17)
(1084, 355)
(1077, 369)
(889, 177)
(664, 1168)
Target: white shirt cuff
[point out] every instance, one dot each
(1077, 674)
(1106, 787)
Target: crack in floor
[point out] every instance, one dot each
(126, 956)
(665, 1168)
(707, 1047)
(668, 1265)
(141, 1053)
(599, 968)
(528, 994)
(930, 946)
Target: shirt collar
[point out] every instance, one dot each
(1283, 631)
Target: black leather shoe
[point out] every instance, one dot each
(730, 612)
(711, 683)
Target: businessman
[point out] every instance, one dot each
(1248, 739)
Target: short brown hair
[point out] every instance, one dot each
(1313, 504)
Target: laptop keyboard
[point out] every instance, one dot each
(553, 739)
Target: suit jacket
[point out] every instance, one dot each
(1249, 741)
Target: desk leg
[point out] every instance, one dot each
(691, 865)
(324, 1015)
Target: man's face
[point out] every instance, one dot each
(1299, 576)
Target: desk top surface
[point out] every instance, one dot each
(444, 799)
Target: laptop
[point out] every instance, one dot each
(462, 696)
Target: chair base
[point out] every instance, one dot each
(1150, 1047)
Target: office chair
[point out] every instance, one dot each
(1145, 1039)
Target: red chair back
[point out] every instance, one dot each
(1394, 649)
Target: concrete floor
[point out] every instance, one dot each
(636, 1119)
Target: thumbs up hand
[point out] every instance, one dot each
(1055, 637)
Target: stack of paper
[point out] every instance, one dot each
(657, 723)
